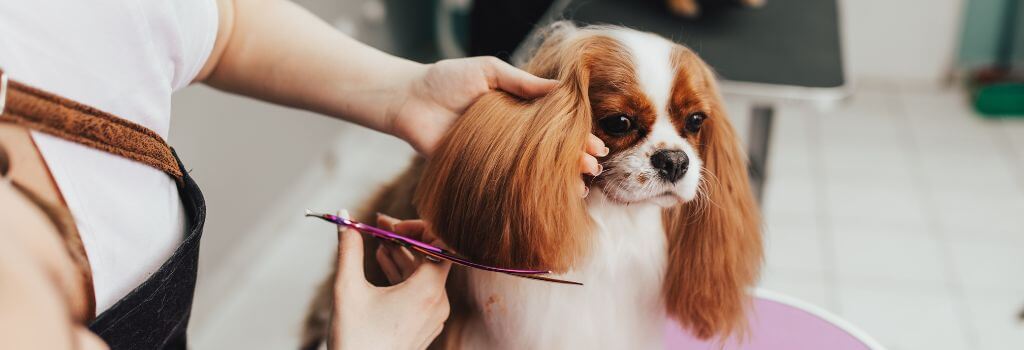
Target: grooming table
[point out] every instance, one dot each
(779, 322)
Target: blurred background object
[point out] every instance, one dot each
(992, 49)
(896, 208)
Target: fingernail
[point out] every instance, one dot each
(586, 192)
(604, 152)
(600, 168)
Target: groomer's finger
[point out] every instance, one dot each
(404, 260)
(516, 81)
(386, 222)
(415, 229)
(595, 146)
(386, 265)
(590, 165)
(400, 259)
(419, 230)
(350, 254)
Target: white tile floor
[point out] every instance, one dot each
(903, 212)
(899, 210)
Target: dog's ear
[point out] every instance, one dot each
(715, 250)
(502, 188)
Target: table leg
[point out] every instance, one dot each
(761, 117)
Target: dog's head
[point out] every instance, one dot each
(501, 188)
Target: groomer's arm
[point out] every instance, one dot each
(277, 51)
(41, 294)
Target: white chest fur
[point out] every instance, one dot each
(619, 306)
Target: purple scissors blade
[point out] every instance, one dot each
(430, 254)
(432, 251)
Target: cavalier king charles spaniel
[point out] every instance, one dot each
(670, 229)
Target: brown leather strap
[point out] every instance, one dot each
(46, 112)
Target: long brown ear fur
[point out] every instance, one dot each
(714, 241)
(503, 186)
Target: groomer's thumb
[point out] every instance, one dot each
(350, 254)
(517, 81)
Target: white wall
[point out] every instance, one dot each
(906, 41)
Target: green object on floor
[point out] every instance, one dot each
(1000, 100)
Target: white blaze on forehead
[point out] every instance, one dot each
(651, 56)
(655, 74)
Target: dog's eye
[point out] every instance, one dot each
(617, 125)
(694, 121)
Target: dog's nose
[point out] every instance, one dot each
(671, 164)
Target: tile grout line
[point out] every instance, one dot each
(924, 194)
(1016, 161)
(1010, 153)
(823, 222)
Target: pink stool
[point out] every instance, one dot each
(779, 322)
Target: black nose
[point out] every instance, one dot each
(671, 165)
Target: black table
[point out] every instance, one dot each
(786, 50)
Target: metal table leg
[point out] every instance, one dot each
(761, 117)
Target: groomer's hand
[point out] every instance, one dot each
(407, 315)
(442, 91)
(438, 94)
(315, 67)
(397, 262)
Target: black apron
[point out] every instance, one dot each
(155, 314)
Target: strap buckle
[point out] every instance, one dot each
(3, 90)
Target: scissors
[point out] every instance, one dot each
(432, 252)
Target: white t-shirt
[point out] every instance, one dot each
(125, 57)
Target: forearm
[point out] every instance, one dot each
(33, 314)
(37, 280)
(276, 51)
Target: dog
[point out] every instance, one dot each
(670, 228)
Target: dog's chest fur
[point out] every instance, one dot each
(619, 306)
